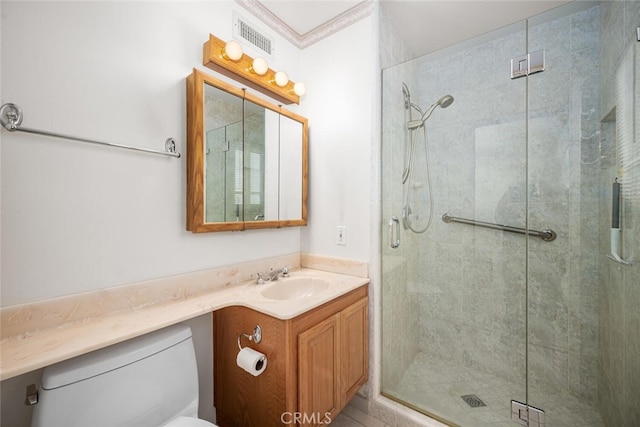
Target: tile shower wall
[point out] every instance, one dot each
(469, 283)
(619, 289)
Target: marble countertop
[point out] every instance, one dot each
(25, 352)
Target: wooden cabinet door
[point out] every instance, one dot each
(318, 371)
(353, 349)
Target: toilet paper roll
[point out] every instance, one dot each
(252, 361)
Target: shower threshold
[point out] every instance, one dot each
(418, 409)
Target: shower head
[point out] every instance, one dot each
(443, 102)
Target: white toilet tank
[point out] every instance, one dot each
(146, 381)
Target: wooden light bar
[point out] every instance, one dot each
(213, 57)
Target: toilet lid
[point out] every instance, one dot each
(189, 422)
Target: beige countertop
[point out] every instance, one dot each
(34, 349)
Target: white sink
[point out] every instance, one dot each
(294, 288)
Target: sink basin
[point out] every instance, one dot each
(295, 288)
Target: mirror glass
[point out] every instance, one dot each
(223, 155)
(290, 171)
(246, 160)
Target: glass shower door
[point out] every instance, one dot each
(564, 192)
(454, 296)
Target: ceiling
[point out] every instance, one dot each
(425, 25)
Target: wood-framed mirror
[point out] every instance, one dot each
(247, 160)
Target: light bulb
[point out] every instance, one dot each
(259, 66)
(281, 78)
(299, 88)
(232, 50)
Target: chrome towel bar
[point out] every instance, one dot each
(546, 234)
(13, 115)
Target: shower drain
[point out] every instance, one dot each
(473, 400)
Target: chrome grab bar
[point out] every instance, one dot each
(14, 115)
(547, 235)
(394, 238)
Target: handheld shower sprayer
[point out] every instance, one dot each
(408, 216)
(443, 102)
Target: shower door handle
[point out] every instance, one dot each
(394, 232)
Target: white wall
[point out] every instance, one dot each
(78, 217)
(340, 74)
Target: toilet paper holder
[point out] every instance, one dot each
(255, 337)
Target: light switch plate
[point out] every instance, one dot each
(341, 235)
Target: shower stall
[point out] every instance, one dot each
(506, 297)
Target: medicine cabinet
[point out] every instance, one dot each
(247, 160)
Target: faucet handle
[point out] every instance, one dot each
(285, 271)
(259, 279)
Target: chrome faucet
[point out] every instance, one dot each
(272, 275)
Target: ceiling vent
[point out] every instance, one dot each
(242, 30)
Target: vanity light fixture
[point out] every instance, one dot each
(228, 59)
(281, 78)
(232, 51)
(299, 88)
(259, 66)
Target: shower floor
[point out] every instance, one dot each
(436, 385)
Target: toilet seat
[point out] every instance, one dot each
(189, 422)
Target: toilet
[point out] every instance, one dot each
(148, 381)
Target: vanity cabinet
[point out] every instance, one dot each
(316, 362)
(332, 361)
